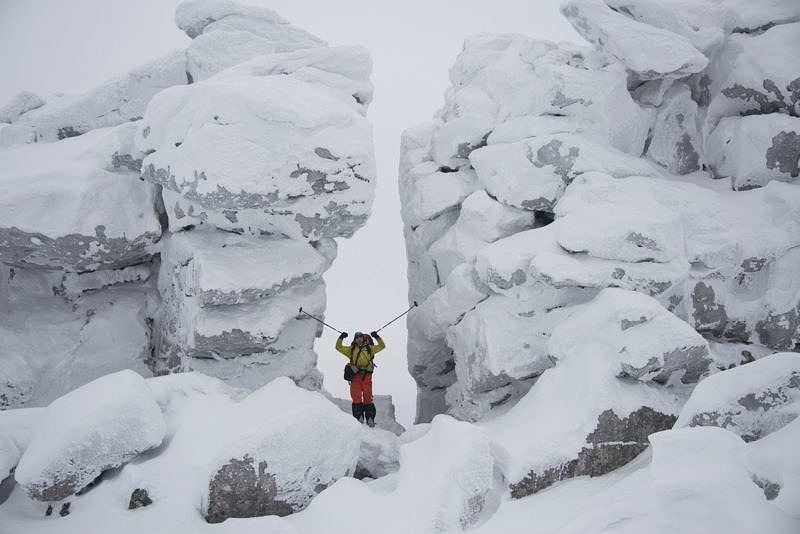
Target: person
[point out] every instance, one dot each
(361, 355)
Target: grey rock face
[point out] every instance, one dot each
(139, 499)
(612, 444)
(242, 488)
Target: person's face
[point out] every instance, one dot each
(359, 341)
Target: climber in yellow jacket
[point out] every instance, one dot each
(361, 355)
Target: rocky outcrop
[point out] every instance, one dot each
(224, 171)
(77, 438)
(579, 189)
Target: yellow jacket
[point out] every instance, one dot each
(360, 356)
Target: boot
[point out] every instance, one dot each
(358, 412)
(370, 412)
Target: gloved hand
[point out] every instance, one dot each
(344, 335)
(374, 334)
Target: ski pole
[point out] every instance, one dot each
(396, 318)
(320, 321)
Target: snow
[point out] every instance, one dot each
(67, 205)
(116, 102)
(261, 152)
(22, 103)
(752, 400)
(756, 149)
(647, 51)
(78, 438)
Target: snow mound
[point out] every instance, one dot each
(753, 400)
(275, 465)
(19, 105)
(76, 204)
(78, 438)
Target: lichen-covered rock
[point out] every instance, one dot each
(76, 204)
(118, 101)
(231, 307)
(263, 152)
(752, 400)
(675, 142)
(647, 51)
(614, 360)
(756, 74)
(756, 149)
(270, 466)
(78, 438)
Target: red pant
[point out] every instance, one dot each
(361, 388)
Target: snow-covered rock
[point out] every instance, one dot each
(756, 74)
(16, 428)
(534, 173)
(120, 100)
(230, 307)
(612, 385)
(22, 103)
(52, 345)
(78, 437)
(258, 152)
(752, 400)
(379, 455)
(76, 204)
(449, 474)
(675, 143)
(647, 51)
(756, 149)
(274, 463)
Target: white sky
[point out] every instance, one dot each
(50, 46)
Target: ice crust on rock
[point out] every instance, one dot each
(275, 465)
(255, 151)
(78, 437)
(647, 51)
(120, 100)
(752, 400)
(76, 204)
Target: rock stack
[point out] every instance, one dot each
(177, 217)
(566, 198)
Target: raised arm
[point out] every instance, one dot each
(341, 348)
(380, 345)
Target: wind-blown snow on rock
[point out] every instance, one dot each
(87, 431)
(276, 465)
(752, 400)
(76, 204)
(259, 152)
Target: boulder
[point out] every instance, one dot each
(675, 141)
(752, 400)
(78, 438)
(76, 205)
(648, 52)
(385, 418)
(755, 74)
(618, 359)
(272, 463)
(262, 153)
(379, 455)
(756, 149)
